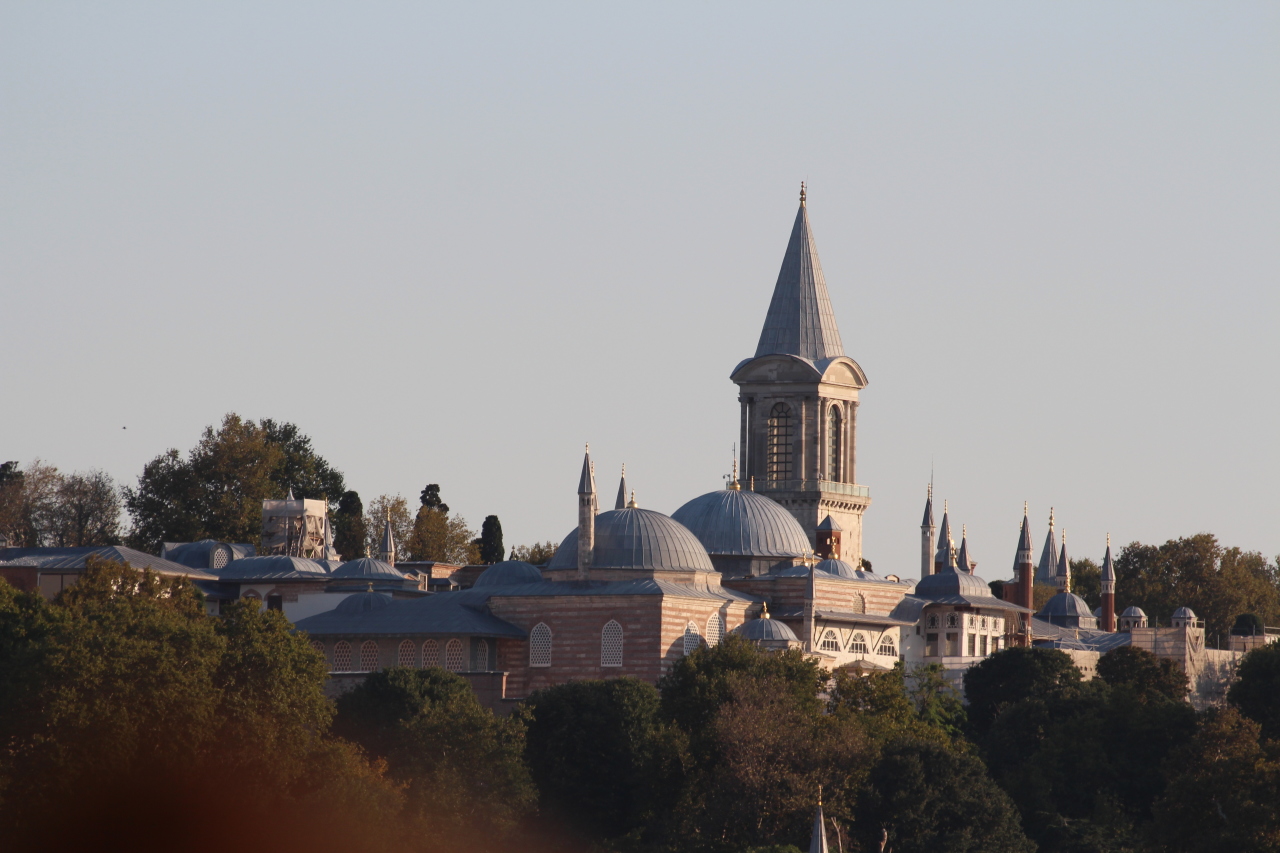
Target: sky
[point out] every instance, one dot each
(455, 242)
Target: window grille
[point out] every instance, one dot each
(779, 444)
(408, 655)
(368, 656)
(931, 645)
(715, 629)
(830, 643)
(984, 645)
(453, 657)
(858, 645)
(481, 661)
(973, 621)
(984, 622)
(833, 445)
(540, 645)
(221, 556)
(318, 646)
(952, 621)
(692, 639)
(859, 604)
(342, 657)
(933, 620)
(886, 646)
(430, 654)
(611, 644)
(973, 645)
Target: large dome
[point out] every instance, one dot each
(952, 582)
(636, 538)
(743, 523)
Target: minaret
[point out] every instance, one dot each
(1024, 567)
(1108, 591)
(621, 502)
(945, 557)
(1064, 567)
(586, 516)
(963, 560)
(388, 552)
(926, 537)
(818, 839)
(810, 598)
(1048, 569)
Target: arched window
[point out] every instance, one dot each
(692, 639)
(887, 646)
(779, 445)
(430, 654)
(833, 444)
(952, 620)
(715, 629)
(859, 604)
(342, 656)
(540, 645)
(368, 656)
(251, 594)
(611, 644)
(275, 601)
(408, 655)
(454, 661)
(858, 645)
(830, 642)
(933, 620)
(480, 662)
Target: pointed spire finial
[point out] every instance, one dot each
(1024, 508)
(802, 194)
(1050, 518)
(764, 610)
(633, 504)
(931, 490)
(1108, 539)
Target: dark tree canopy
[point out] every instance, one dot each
(349, 532)
(1009, 676)
(302, 469)
(431, 498)
(1142, 671)
(490, 541)
(1257, 689)
(1086, 581)
(1247, 625)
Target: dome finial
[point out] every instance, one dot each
(802, 194)
(632, 504)
(370, 589)
(733, 481)
(764, 610)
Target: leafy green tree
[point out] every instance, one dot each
(1086, 581)
(350, 533)
(86, 511)
(1142, 671)
(29, 504)
(1256, 691)
(301, 469)
(442, 538)
(1223, 791)
(538, 554)
(937, 702)
(1009, 676)
(395, 508)
(881, 703)
(922, 796)
(490, 541)
(1247, 625)
(431, 498)
(595, 750)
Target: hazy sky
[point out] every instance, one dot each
(455, 242)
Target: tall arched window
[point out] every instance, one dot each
(342, 657)
(368, 656)
(715, 629)
(858, 645)
(611, 644)
(830, 642)
(833, 444)
(692, 639)
(454, 661)
(480, 660)
(540, 645)
(430, 654)
(779, 445)
(408, 654)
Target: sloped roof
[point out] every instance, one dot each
(272, 567)
(51, 559)
(1085, 639)
(800, 320)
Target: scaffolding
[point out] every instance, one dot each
(295, 528)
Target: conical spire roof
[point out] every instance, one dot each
(587, 482)
(388, 542)
(1048, 568)
(621, 502)
(963, 559)
(1064, 564)
(818, 838)
(945, 556)
(928, 509)
(1023, 557)
(1108, 567)
(800, 320)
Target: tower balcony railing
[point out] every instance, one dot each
(851, 489)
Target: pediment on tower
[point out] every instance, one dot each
(776, 367)
(842, 371)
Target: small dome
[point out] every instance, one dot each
(734, 522)
(765, 628)
(367, 567)
(1066, 604)
(1097, 613)
(952, 582)
(1184, 613)
(635, 538)
(363, 602)
(272, 566)
(1135, 612)
(509, 573)
(842, 569)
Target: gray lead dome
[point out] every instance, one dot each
(743, 523)
(637, 538)
(765, 629)
(509, 573)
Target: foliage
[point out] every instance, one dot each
(350, 533)
(442, 538)
(927, 797)
(216, 492)
(1143, 672)
(431, 498)
(462, 765)
(883, 706)
(42, 507)
(1011, 675)
(1217, 583)
(1040, 595)
(539, 553)
(1247, 625)
(1257, 689)
(1223, 791)
(490, 541)
(1086, 581)
(396, 509)
(937, 701)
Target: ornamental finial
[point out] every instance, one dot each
(802, 194)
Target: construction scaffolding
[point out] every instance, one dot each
(295, 528)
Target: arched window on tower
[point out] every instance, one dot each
(887, 646)
(830, 643)
(611, 644)
(858, 645)
(779, 444)
(833, 444)
(540, 645)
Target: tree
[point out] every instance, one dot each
(431, 498)
(350, 533)
(490, 541)
(87, 511)
(1086, 581)
(1142, 671)
(395, 508)
(538, 554)
(937, 702)
(926, 797)
(301, 469)
(1012, 675)
(28, 503)
(1256, 691)
(1247, 625)
(442, 538)
(11, 483)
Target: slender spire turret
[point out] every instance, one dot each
(927, 530)
(963, 560)
(621, 501)
(1064, 567)
(1108, 590)
(388, 548)
(946, 554)
(1024, 567)
(587, 508)
(818, 838)
(1047, 571)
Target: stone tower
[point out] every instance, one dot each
(799, 402)
(927, 530)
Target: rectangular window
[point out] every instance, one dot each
(931, 645)
(973, 645)
(984, 645)
(953, 644)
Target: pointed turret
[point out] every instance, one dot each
(963, 561)
(1024, 567)
(926, 536)
(1047, 571)
(945, 557)
(387, 552)
(818, 838)
(621, 501)
(1108, 590)
(810, 604)
(1063, 576)
(587, 507)
(800, 320)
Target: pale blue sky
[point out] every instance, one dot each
(453, 243)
